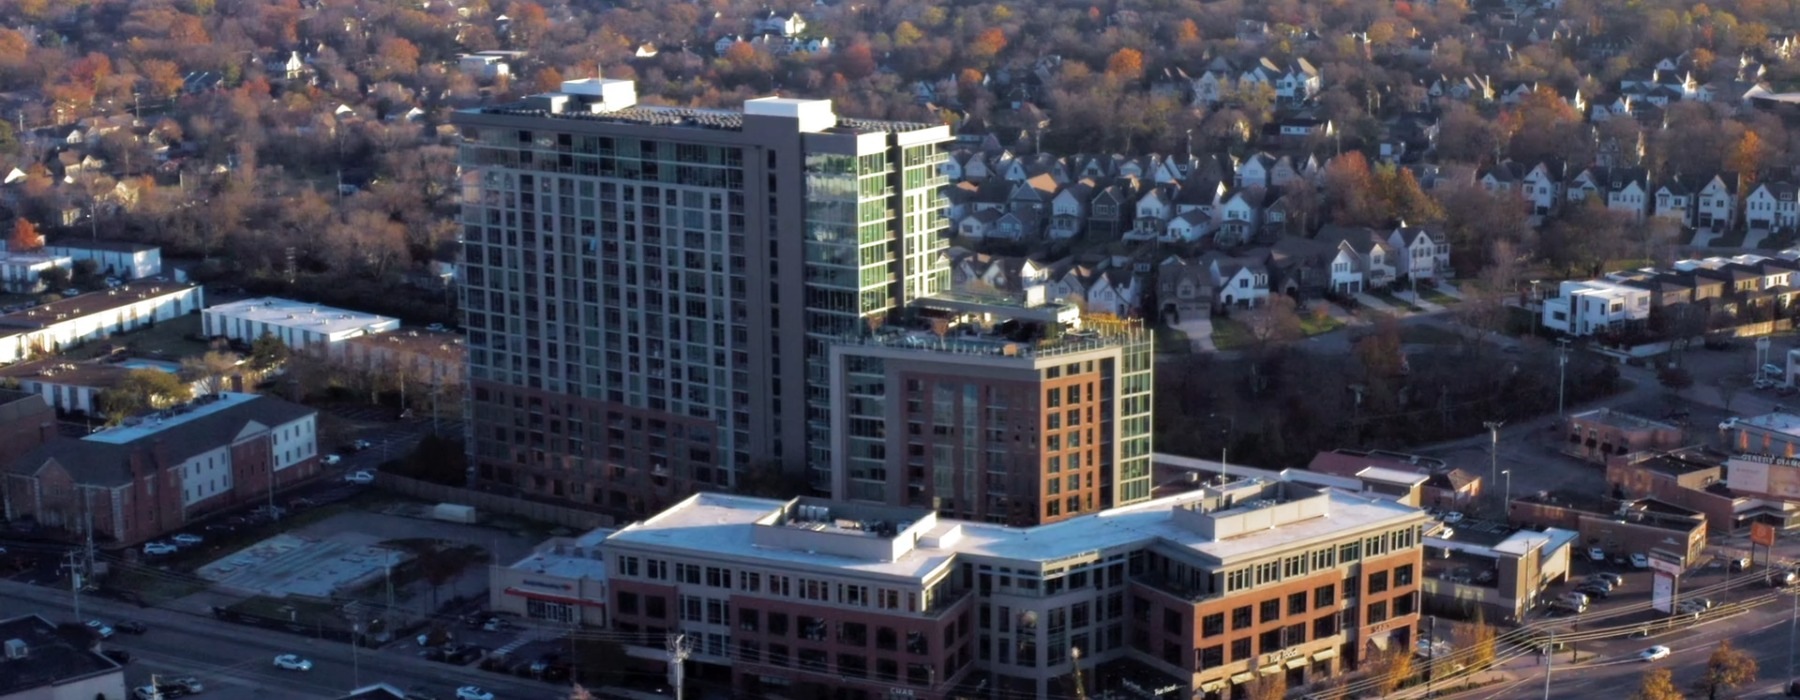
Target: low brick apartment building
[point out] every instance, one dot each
(1202, 592)
(1603, 433)
(156, 473)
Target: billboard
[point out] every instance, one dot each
(1778, 477)
(1662, 593)
(1762, 533)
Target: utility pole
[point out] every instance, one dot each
(1080, 690)
(1506, 505)
(1493, 427)
(1562, 373)
(1549, 662)
(355, 654)
(679, 646)
(1793, 625)
(74, 565)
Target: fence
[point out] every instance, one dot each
(484, 502)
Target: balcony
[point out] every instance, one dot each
(945, 602)
(1178, 589)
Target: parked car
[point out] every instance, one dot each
(1453, 517)
(439, 327)
(1654, 653)
(119, 656)
(1599, 583)
(1639, 561)
(186, 540)
(1778, 579)
(1614, 579)
(495, 624)
(363, 476)
(292, 662)
(1739, 563)
(1773, 370)
(1596, 554)
(131, 627)
(157, 549)
(1728, 424)
(1593, 591)
(470, 692)
(104, 630)
(330, 460)
(180, 686)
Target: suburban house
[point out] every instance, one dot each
(1422, 253)
(49, 328)
(157, 473)
(1184, 288)
(1715, 206)
(1771, 205)
(1365, 260)
(1240, 282)
(1586, 307)
(1674, 199)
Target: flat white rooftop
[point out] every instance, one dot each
(711, 523)
(295, 314)
(579, 558)
(1785, 423)
(145, 426)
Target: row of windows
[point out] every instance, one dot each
(776, 584)
(1320, 559)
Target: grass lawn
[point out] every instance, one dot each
(1173, 342)
(1438, 297)
(1731, 239)
(1394, 301)
(154, 587)
(1778, 241)
(308, 612)
(1311, 325)
(1230, 334)
(166, 340)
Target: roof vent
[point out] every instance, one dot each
(17, 649)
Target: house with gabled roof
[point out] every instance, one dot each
(1500, 178)
(1421, 253)
(1237, 216)
(1188, 227)
(1628, 191)
(1364, 261)
(1111, 209)
(979, 224)
(1541, 187)
(1115, 290)
(1153, 210)
(1770, 206)
(1240, 282)
(1184, 289)
(1588, 183)
(1715, 206)
(1256, 170)
(1673, 199)
(1069, 209)
(1299, 266)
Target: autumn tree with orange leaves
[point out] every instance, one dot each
(25, 237)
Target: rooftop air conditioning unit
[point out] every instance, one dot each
(17, 649)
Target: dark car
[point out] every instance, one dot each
(130, 627)
(432, 654)
(1594, 592)
(1740, 563)
(464, 655)
(119, 656)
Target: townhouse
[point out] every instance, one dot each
(1586, 307)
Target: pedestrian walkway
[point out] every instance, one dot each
(1372, 303)
(1419, 301)
(1450, 290)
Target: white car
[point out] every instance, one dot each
(1453, 517)
(187, 540)
(1639, 561)
(360, 477)
(104, 630)
(471, 692)
(1728, 424)
(1654, 653)
(157, 549)
(291, 662)
(1596, 554)
(330, 460)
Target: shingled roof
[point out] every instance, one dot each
(104, 459)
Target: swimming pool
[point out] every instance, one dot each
(169, 367)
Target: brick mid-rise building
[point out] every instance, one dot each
(157, 473)
(1203, 592)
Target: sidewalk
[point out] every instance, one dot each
(1419, 301)
(1373, 303)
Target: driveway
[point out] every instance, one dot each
(1199, 332)
(1373, 303)
(1419, 301)
(1755, 237)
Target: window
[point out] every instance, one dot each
(1324, 596)
(1210, 657)
(748, 619)
(1405, 605)
(1271, 610)
(1324, 627)
(628, 603)
(1403, 575)
(1171, 621)
(1297, 603)
(1378, 582)
(1240, 649)
(1378, 612)
(1270, 641)
(1212, 625)
(1240, 618)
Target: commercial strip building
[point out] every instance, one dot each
(1201, 591)
(1603, 433)
(988, 419)
(154, 474)
(121, 260)
(561, 582)
(651, 291)
(73, 388)
(40, 662)
(1619, 528)
(1494, 569)
(297, 324)
(50, 328)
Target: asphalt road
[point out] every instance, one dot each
(236, 661)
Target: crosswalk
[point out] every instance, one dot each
(526, 636)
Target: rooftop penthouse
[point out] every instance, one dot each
(616, 101)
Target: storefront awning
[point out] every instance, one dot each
(1212, 686)
(1326, 655)
(1380, 641)
(1296, 663)
(1270, 669)
(1242, 678)
(568, 600)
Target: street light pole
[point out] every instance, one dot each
(1793, 624)
(1549, 662)
(1493, 427)
(1506, 505)
(1562, 372)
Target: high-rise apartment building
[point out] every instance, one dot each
(650, 291)
(1014, 415)
(1194, 595)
